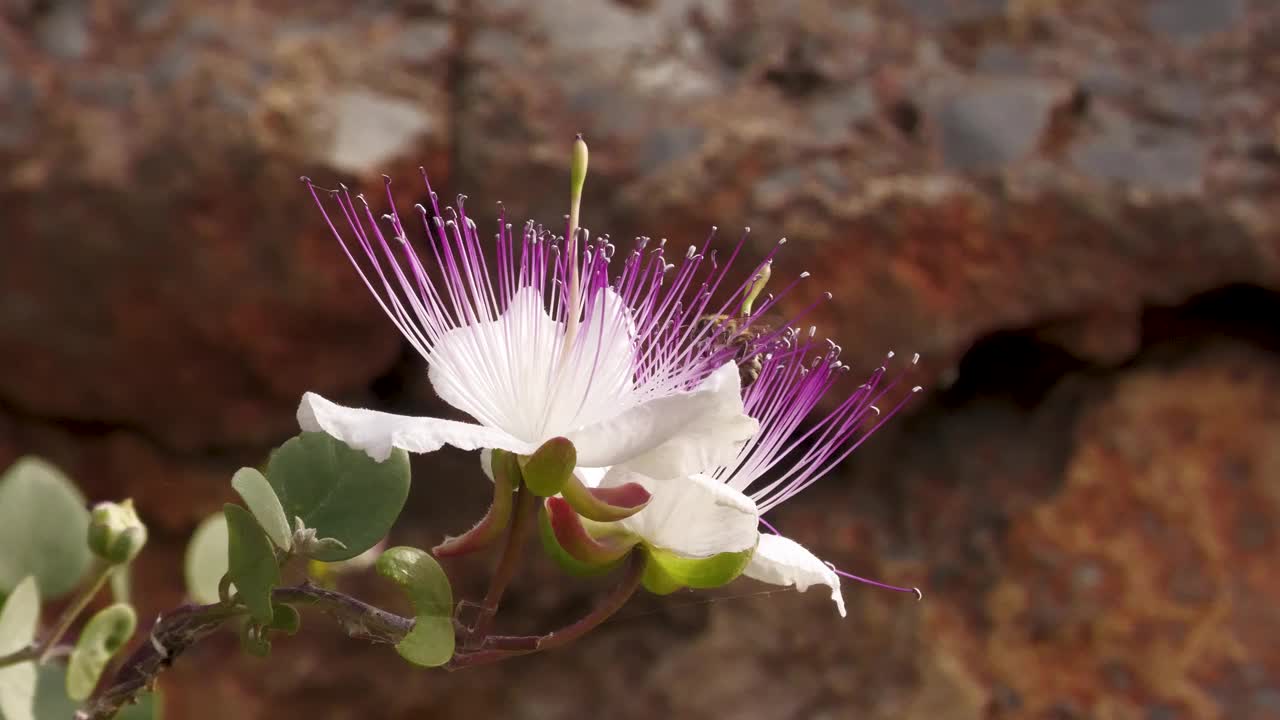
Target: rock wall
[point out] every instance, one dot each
(1069, 208)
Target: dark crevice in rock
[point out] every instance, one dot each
(1244, 313)
(906, 116)
(1007, 425)
(797, 75)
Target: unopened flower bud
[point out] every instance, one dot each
(116, 533)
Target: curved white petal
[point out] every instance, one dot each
(499, 371)
(486, 462)
(693, 516)
(782, 561)
(590, 476)
(673, 436)
(377, 432)
(596, 379)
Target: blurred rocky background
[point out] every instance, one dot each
(1068, 207)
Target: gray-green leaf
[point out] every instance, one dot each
(43, 526)
(430, 643)
(18, 619)
(52, 702)
(339, 492)
(265, 506)
(102, 637)
(206, 559)
(251, 562)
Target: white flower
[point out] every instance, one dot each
(703, 514)
(534, 341)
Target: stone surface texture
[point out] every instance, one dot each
(1070, 208)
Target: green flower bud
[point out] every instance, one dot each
(116, 534)
(550, 467)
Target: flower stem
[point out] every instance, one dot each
(496, 648)
(526, 507)
(31, 652)
(179, 630)
(71, 613)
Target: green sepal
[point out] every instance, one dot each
(339, 492)
(550, 467)
(666, 571)
(43, 525)
(103, 636)
(506, 476)
(261, 500)
(251, 562)
(431, 641)
(605, 504)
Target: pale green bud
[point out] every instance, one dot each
(116, 533)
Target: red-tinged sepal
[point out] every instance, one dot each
(608, 504)
(590, 545)
(506, 476)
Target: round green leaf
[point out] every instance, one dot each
(251, 562)
(430, 642)
(52, 702)
(206, 559)
(287, 620)
(102, 637)
(665, 571)
(253, 639)
(51, 693)
(18, 619)
(339, 492)
(265, 506)
(43, 525)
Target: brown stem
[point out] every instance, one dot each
(496, 648)
(508, 562)
(176, 632)
(26, 654)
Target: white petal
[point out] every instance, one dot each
(500, 371)
(596, 378)
(694, 516)
(590, 476)
(486, 462)
(782, 561)
(673, 436)
(377, 432)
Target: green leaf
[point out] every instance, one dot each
(265, 506)
(43, 525)
(52, 702)
(206, 559)
(102, 637)
(18, 619)
(666, 572)
(253, 639)
(286, 620)
(251, 562)
(550, 467)
(339, 492)
(430, 642)
(51, 693)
